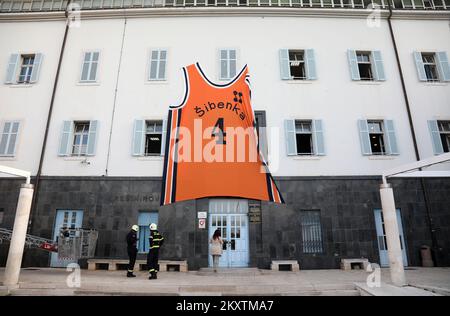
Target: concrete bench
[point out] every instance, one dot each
(352, 264)
(113, 264)
(293, 265)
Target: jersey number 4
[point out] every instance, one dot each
(218, 131)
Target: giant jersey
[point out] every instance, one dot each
(211, 144)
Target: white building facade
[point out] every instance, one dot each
(83, 107)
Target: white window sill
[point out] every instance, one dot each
(88, 83)
(307, 157)
(369, 83)
(437, 83)
(7, 158)
(20, 85)
(150, 158)
(381, 157)
(156, 82)
(76, 158)
(303, 81)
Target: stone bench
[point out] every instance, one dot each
(113, 264)
(352, 264)
(293, 265)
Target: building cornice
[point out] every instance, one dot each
(225, 12)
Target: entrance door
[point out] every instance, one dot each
(381, 236)
(144, 221)
(65, 218)
(231, 217)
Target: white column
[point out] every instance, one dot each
(17, 244)
(392, 235)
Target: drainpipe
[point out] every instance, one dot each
(49, 116)
(413, 134)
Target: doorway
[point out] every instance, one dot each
(231, 217)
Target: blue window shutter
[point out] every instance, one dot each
(319, 145)
(390, 138)
(291, 141)
(353, 63)
(310, 64)
(66, 138)
(12, 68)
(377, 62)
(443, 66)
(92, 139)
(139, 138)
(435, 137)
(36, 67)
(4, 138)
(163, 138)
(285, 69)
(420, 67)
(364, 137)
(162, 64)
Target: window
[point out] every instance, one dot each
(9, 138)
(26, 68)
(23, 68)
(297, 64)
(432, 67)
(311, 231)
(153, 138)
(90, 65)
(227, 64)
(303, 138)
(80, 138)
(364, 66)
(376, 137)
(158, 61)
(444, 130)
(429, 63)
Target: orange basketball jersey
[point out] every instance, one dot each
(204, 152)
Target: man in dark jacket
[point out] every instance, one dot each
(156, 241)
(132, 249)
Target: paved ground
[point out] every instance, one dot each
(47, 281)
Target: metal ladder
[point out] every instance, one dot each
(30, 241)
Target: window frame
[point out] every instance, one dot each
(84, 133)
(316, 248)
(146, 154)
(381, 134)
(444, 134)
(302, 63)
(29, 69)
(310, 133)
(370, 63)
(430, 64)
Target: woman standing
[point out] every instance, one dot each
(216, 248)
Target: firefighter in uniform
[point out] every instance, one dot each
(132, 249)
(156, 241)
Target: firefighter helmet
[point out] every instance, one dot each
(135, 228)
(153, 226)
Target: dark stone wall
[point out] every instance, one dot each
(346, 204)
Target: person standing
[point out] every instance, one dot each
(132, 249)
(156, 241)
(216, 248)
